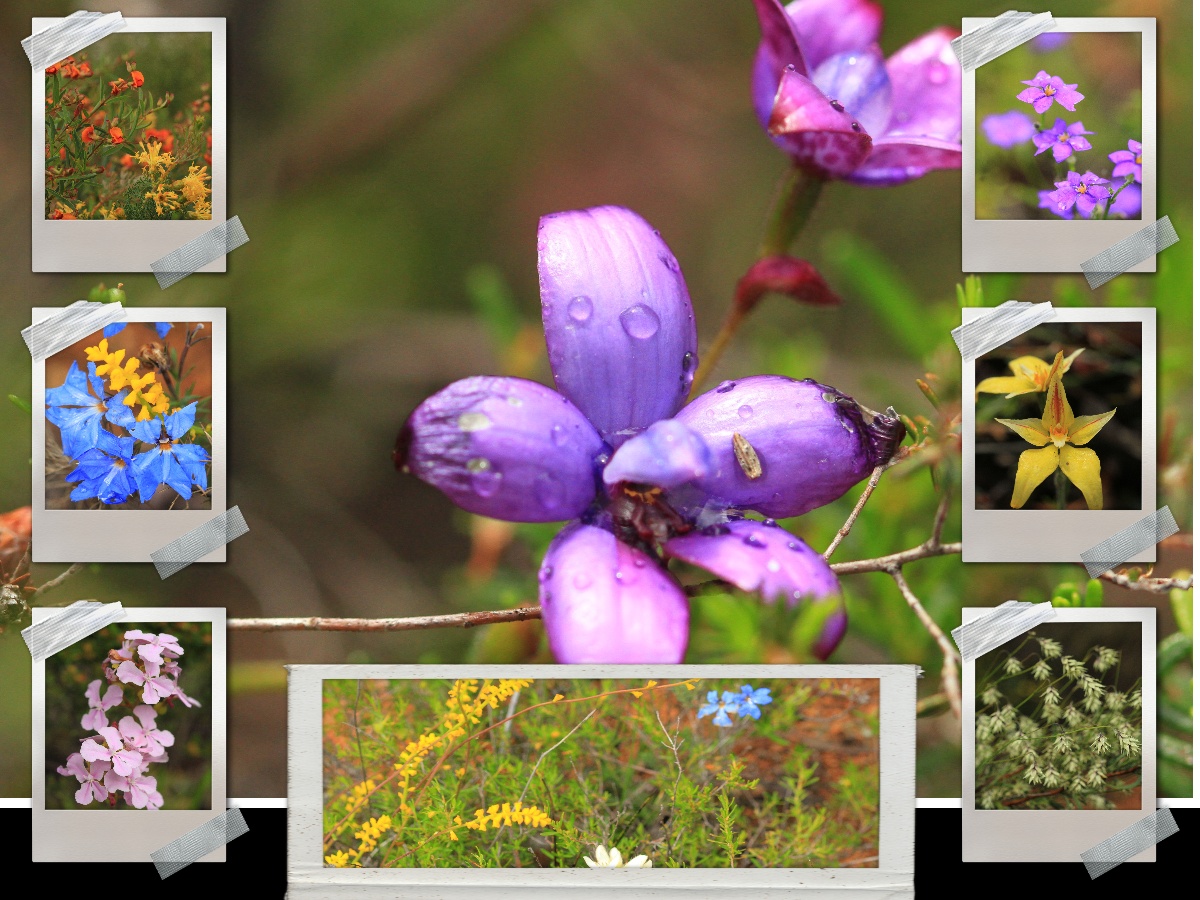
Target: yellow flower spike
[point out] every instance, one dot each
(1030, 375)
(1059, 436)
(452, 835)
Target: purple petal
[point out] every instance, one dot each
(829, 27)
(780, 48)
(503, 447)
(819, 134)
(1050, 200)
(1030, 95)
(1042, 104)
(618, 319)
(606, 602)
(1061, 151)
(832, 633)
(897, 160)
(858, 80)
(926, 81)
(754, 556)
(812, 444)
(1067, 97)
(666, 455)
(1128, 203)
(1008, 129)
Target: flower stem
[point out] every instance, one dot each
(1060, 489)
(794, 203)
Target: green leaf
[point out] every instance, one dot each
(493, 301)
(1181, 608)
(1094, 594)
(20, 403)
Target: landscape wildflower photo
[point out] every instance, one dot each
(697, 773)
(129, 129)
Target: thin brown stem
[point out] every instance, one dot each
(1017, 801)
(1152, 585)
(409, 623)
(57, 580)
(950, 657)
(710, 358)
(858, 507)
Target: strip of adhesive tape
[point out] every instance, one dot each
(199, 842)
(69, 36)
(199, 252)
(1005, 622)
(199, 542)
(68, 625)
(1005, 32)
(65, 327)
(1129, 842)
(1128, 252)
(1125, 544)
(1002, 324)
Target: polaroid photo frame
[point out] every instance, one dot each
(1030, 535)
(1023, 245)
(129, 535)
(309, 878)
(95, 834)
(121, 245)
(1024, 835)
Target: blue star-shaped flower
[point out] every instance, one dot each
(117, 327)
(728, 704)
(78, 412)
(168, 462)
(751, 699)
(104, 472)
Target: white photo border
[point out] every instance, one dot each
(1054, 535)
(1028, 835)
(129, 246)
(997, 245)
(129, 535)
(310, 879)
(127, 835)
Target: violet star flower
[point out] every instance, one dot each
(1127, 204)
(1128, 162)
(639, 478)
(1008, 129)
(1065, 139)
(168, 461)
(90, 778)
(1046, 90)
(724, 706)
(1049, 200)
(1081, 191)
(104, 472)
(823, 91)
(95, 719)
(79, 413)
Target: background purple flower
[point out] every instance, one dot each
(1082, 192)
(1049, 200)
(1063, 138)
(1127, 204)
(1046, 90)
(1128, 162)
(1008, 129)
(1050, 40)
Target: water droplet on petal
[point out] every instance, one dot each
(580, 309)
(639, 561)
(746, 411)
(796, 595)
(829, 397)
(474, 421)
(558, 435)
(712, 413)
(514, 400)
(772, 565)
(837, 106)
(545, 573)
(640, 322)
(771, 523)
(689, 361)
(793, 545)
(582, 581)
(549, 491)
(753, 540)
(669, 261)
(855, 126)
(726, 386)
(485, 480)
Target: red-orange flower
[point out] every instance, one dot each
(138, 79)
(119, 85)
(62, 152)
(116, 135)
(52, 69)
(88, 134)
(85, 69)
(59, 214)
(164, 136)
(126, 161)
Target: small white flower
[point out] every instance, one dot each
(1012, 666)
(611, 859)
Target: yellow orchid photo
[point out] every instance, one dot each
(1057, 419)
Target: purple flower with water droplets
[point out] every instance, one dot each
(1082, 192)
(823, 90)
(1049, 200)
(639, 476)
(1045, 90)
(1063, 138)
(1128, 162)
(1008, 129)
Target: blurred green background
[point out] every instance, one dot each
(390, 162)
(185, 779)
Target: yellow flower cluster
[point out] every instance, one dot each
(369, 835)
(358, 796)
(144, 390)
(508, 814)
(196, 192)
(467, 700)
(192, 187)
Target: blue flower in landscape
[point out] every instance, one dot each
(176, 465)
(752, 699)
(117, 327)
(78, 412)
(104, 472)
(728, 704)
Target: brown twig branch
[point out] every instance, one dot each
(1152, 585)
(1017, 801)
(408, 623)
(858, 507)
(950, 657)
(57, 580)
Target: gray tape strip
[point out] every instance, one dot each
(69, 36)
(199, 542)
(1125, 254)
(199, 842)
(1141, 835)
(1003, 33)
(68, 625)
(1005, 622)
(67, 326)
(1002, 324)
(1125, 544)
(198, 253)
